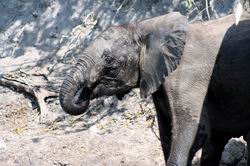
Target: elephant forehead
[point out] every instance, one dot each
(98, 46)
(110, 41)
(115, 32)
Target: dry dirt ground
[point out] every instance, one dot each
(122, 134)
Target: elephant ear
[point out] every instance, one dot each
(162, 40)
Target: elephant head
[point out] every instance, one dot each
(125, 57)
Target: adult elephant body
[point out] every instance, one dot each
(198, 74)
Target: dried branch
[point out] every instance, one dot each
(152, 118)
(208, 15)
(35, 74)
(117, 11)
(40, 94)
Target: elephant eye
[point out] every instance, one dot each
(107, 57)
(109, 60)
(106, 52)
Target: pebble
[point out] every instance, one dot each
(94, 129)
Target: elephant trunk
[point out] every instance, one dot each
(74, 93)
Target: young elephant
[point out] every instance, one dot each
(198, 74)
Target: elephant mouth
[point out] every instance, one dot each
(109, 90)
(82, 97)
(107, 86)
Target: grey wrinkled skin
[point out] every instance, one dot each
(198, 74)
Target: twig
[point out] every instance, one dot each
(192, 1)
(208, 15)
(152, 128)
(35, 74)
(117, 11)
(39, 93)
(200, 12)
(151, 117)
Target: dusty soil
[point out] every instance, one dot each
(120, 135)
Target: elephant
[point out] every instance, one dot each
(197, 73)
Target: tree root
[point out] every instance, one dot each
(40, 94)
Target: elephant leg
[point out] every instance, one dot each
(198, 143)
(203, 135)
(164, 121)
(187, 91)
(165, 133)
(212, 151)
(183, 136)
(185, 124)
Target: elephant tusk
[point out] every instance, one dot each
(238, 13)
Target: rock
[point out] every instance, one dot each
(196, 159)
(132, 93)
(234, 153)
(94, 129)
